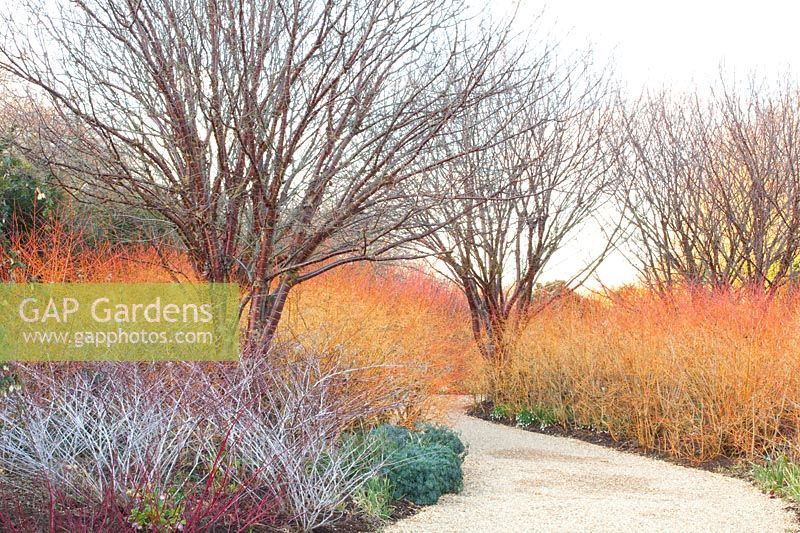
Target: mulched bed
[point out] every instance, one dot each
(360, 524)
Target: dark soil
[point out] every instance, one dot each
(355, 523)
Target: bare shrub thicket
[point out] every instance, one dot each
(713, 187)
(265, 433)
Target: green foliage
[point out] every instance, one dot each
(418, 466)
(390, 437)
(158, 512)
(779, 476)
(539, 416)
(9, 382)
(374, 499)
(525, 418)
(434, 434)
(500, 412)
(422, 473)
(26, 196)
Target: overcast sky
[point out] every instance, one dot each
(664, 44)
(677, 42)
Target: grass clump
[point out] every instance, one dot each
(779, 476)
(374, 498)
(500, 412)
(539, 416)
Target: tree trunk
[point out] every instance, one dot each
(265, 313)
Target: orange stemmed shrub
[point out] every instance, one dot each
(407, 327)
(399, 316)
(413, 326)
(59, 253)
(697, 374)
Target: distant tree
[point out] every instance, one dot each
(273, 134)
(713, 187)
(515, 204)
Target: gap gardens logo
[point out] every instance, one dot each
(120, 322)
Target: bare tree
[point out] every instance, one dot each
(273, 134)
(515, 204)
(713, 188)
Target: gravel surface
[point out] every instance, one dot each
(516, 480)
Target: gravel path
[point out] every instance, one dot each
(521, 481)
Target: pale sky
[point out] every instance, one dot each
(677, 44)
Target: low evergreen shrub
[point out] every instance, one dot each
(422, 473)
(434, 434)
(418, 466)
